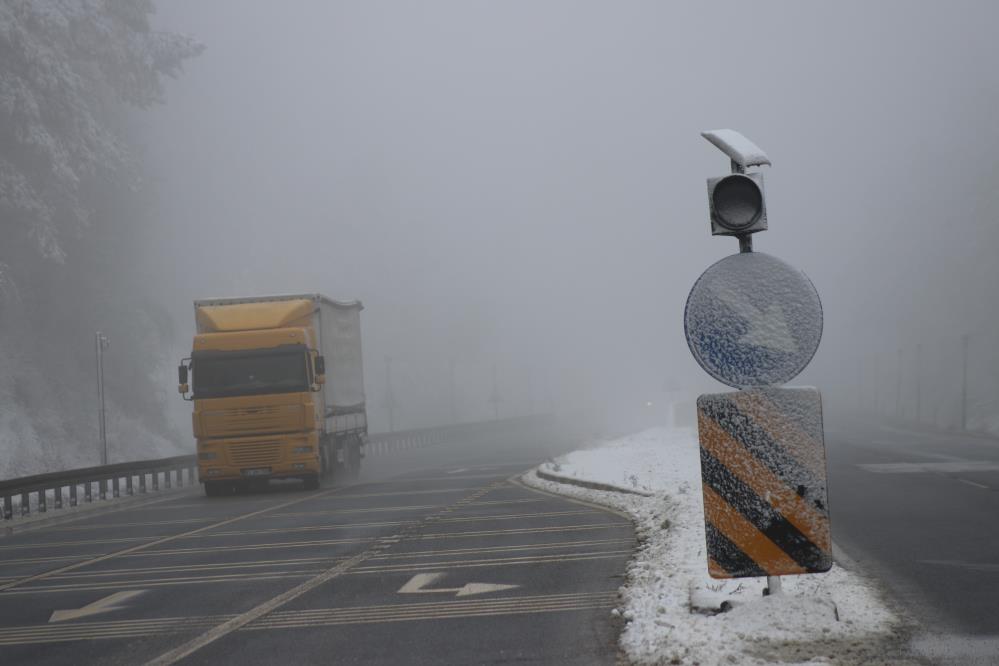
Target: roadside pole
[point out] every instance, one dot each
(754, 322)
(101, 343)
(964, 381)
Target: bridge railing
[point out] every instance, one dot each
(56, 490)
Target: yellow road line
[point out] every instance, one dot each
(272, 604)
(451, 609)
(516, 530)
(102, 558)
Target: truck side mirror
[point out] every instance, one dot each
(320, 366)
(182, 386)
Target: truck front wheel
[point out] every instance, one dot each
(311, 482)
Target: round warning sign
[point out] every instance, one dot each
(753, 320)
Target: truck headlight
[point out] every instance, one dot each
(208, 455)
(302, 449)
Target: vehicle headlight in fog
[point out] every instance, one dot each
(208, 455)
(302, 449)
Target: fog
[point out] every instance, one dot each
(521, 185)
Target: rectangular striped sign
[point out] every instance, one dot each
(763, 476)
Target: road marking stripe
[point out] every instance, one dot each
(253, 577)
(63, 544)
(502, 549)
(108, 556)
(313, 617)
(444, 615)
(219, 631)
(435, 491)
(197, 567)
(511, 501)
(373, 509)
(100, 526)
(974, 483)
(517, 530)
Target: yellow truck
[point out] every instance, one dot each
(277, 384)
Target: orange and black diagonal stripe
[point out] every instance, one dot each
(764, 483)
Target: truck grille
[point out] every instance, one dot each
(255, 454)
(226, 423)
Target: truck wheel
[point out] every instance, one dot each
(311, 482)
(214, 488)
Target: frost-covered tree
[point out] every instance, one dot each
(65, 65)
(73, 215)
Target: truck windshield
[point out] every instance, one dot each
(222, 374)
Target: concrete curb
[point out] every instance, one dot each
(591, 485)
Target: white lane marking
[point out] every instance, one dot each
(418, 582)
(957, 649)
(974, 483)
(982, 567)
(458, 471)
(105, 605)
(932, 467)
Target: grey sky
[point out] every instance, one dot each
(523, 182)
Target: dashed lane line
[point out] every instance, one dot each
(318, 617)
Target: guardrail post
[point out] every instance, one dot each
(115, 488)
(128, 485)
(72, 495)
(25, 504)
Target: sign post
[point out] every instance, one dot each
(754, 322)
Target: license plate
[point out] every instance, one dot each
(259, 471)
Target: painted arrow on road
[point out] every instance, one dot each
(105, 605)
(418, 582)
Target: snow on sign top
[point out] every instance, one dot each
(741, 150)
(753, 320)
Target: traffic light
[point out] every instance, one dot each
(737, 204)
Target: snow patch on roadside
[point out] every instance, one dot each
(673, 610)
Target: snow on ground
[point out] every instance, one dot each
(671, 607)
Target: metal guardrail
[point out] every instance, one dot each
(129, 478)
(109, 480)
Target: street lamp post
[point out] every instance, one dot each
(101, 343)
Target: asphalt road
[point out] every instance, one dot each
(434, 557)
(919, 509)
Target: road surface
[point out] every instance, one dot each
(919, 509)
(434, 557)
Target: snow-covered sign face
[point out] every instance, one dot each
(753, 320)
